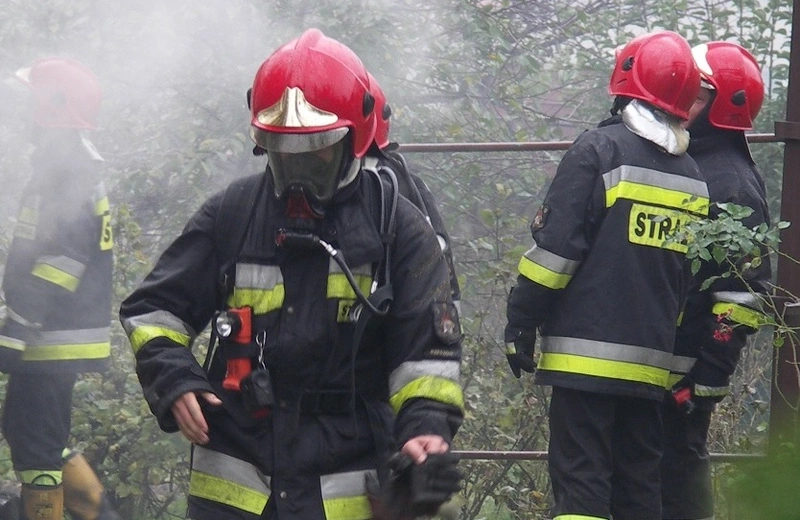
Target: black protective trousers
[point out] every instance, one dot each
(37, 419)
(605, 452)
(686, 488)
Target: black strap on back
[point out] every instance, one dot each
(232, 225)
(230, 232)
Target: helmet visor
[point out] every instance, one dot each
(316, 172)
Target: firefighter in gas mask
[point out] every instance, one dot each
(57, 287)
(332, 380)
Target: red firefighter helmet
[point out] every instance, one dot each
(308, 93)
(383, 112)
(66, 93)
(657, 68)
(734, 73)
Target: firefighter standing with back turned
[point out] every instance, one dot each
(57, 287)
(717, 319)
(605, 286)
(353, 348)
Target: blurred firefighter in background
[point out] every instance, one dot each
(605, 285)
(384, 153)
(717, 319)
(331, 388)
(57, 287)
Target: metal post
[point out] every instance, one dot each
(785, 381)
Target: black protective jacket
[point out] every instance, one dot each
(57, 280)
(415, 190)
(603, 281)
(406, 368)
(732, 177)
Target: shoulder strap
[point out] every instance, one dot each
(232, 225)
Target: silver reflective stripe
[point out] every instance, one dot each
(681, 364)
(411, 370)
(70, 337)
(253, 276)
(64, 264)
(551, 261)
(161, 319)
(646, 176)
(229, 468)
(710, 391)
(365, 270)
(745, 298)
(10, 314)
(605, 350)
(348, 484)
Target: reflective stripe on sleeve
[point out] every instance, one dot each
(59, 270)
(710, 391)
(739, 314)
(146, 327)
(11, 343)
(436, 380)
(655, 187)
(546, 268)
(228, 480)
(344, 495)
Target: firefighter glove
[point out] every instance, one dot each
(710, 383)
(520, 346)
(415, 490)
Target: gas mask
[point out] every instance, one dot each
(307, 172)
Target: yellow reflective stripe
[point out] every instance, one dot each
(622, 370)
(339, 287)
(67, 352)
(56, 276)
(226, 492)
(655, 195)
(261, 300)
(30, 476)
(739, 314)
(710, 391)
(347, 508)
(101, 206)
(429, 387)
(654, 226)
(673, 379)
(11, 343)
(28, 215)
(542, 275)
(144, 333)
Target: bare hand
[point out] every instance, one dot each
(190, 418)
(418, 447)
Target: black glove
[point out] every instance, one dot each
(414, 490)
(520, 346)
(710, 383)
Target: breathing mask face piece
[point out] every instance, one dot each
(315, 175)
